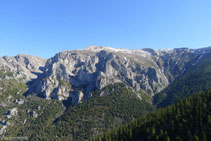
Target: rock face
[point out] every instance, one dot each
(12, 112)
(24, 67)
(33, 114)
(76, 73)
(3, 129)
(19, 101)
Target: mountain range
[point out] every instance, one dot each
(93, 68)
(92, 76)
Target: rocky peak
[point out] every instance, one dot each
(96, 67)
(74, 74)
(25, 67)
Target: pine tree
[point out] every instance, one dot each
(167, 138)
(196, 138)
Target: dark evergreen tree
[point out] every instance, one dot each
(188, 119)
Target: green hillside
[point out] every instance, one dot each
(189, 119)
(118, 105)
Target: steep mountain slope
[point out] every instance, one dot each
(25, 67)
(93, 68)
(188, 119)
(11, 97)
(196, 78)
(16, 111)
(82, 85)
(113, 106)
(88, 70)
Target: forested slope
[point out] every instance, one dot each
(196, 78)
(189, 119)
(107, 109)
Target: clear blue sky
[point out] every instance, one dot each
(45, 27)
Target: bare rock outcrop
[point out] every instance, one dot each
(74, 74)
(25, 67)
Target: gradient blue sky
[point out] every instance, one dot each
(45, 27)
